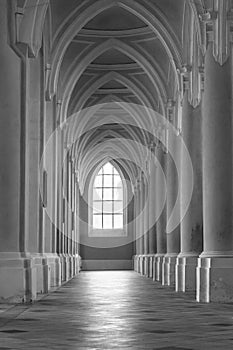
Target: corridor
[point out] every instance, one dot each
(116, 310)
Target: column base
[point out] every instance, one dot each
(146, 265)
(18, 278)
(136, 263)
(169, 270)
(186, 272)
(70, 266)
(76, 264)
(65, 267)
(141, 265)
(214, 278)
(151, 265)
(158, 267)
(54, 269)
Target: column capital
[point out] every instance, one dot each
(217, 20)
(170, 109)
(152, 146)
(58, 112)
(192, 81)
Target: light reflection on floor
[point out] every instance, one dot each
(117, 310)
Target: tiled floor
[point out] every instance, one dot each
(116, 310)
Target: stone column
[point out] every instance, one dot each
(161, 239)
(141, 224)
(173, 238)
(215, 265)
(192, 224)
(146, 224)
(17, 270)
(152, 211)
(69, 216)
(136, 226)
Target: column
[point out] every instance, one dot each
(49, 242)
(192, 224)
(141, 224)
(161, 239)
(136, 226)
(173, 238)
(146, 225)
(152, 211)
(16, 267)
(215, 265)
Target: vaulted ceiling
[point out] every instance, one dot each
(114, 52)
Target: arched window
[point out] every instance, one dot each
(107, 199)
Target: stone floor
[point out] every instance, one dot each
(116, 310)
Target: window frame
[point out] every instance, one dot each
(114, 232)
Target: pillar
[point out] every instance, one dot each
(215, 264)
(141, 224)
(136, 227)
(17, 270)
(152, 211)
(146, 225)
(192, 224)
(161, 241)
(173, 238)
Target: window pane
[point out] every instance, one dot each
(118, 194)
(118, 207)
(107, 221)
(97, 207)
(117, 181)
(118, 221)
(108, 207)
(97, 221)
(108, 181)
(98, 181)
(107, 169)
(108, 199)
(107, 194)
(97, 194)
(100, 172)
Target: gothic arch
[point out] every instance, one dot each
(98, 50)
(163, 31)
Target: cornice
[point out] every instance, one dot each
(112, 91)
(90, 33)
(114, 67)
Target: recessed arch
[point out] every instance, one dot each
(88, 89)
(157, 22)
(79, 147)
(96, 51)
(83, 120)
(111, 150)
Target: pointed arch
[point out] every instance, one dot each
(98, 49)
(89, 89)
(157, 22)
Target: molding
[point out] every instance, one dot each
(217, 22)
(170, 110)
(48, 96)
(191, 74)
(29, 22)
(192, 80)
(90, 33)
(113, 67)
(216, 254)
